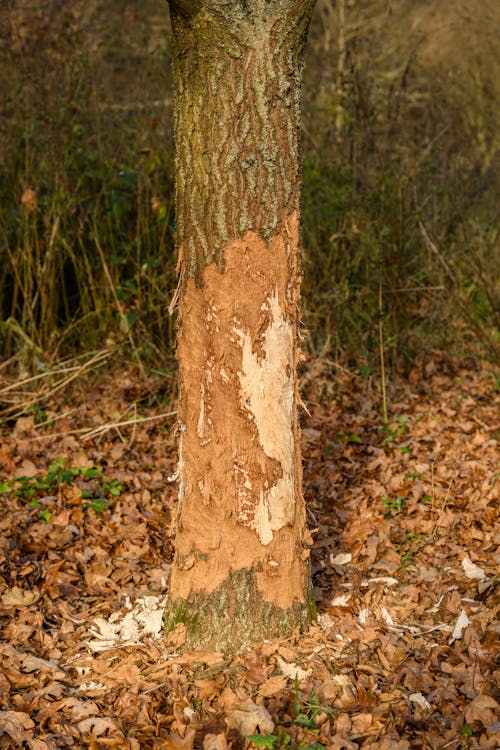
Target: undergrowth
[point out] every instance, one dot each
(77, 484)
(399, 210)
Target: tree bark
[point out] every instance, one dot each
(241, 569)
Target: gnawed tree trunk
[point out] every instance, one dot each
(241, 570)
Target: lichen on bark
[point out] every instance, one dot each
(237, 73)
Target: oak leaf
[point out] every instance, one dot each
(483, 708)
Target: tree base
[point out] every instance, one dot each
(234, 616)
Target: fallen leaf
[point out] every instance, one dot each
(15, 724)
(79, 709)
(215, 742)
(145, 618)
(17, 597)
(460, 625)
(174, 742)
(122, 674)
(483, 708)
(472, 571)
(341, 559)
(419, 699)
(340, 601)
(361, 723)
(27, 468)
(363, 616)
(29, 200)
(250, 719)
(35, 664)
(387, 580)
(292, 670)
(272, 686)
(386, 617)
(257, 668)
(96, 725)
(390, 743)
(343, 724)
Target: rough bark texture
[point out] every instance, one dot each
(241, 569)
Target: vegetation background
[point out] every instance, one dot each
(401, 181)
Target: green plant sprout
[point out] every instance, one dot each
(392, 505)
(393, 432)
(94, 486)
(306, 712)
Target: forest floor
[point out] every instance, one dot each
(405, 527)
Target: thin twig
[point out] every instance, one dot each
(416, 289)
(88, 433)
(56, 418)
(433, 247)
(114, 425)
(119, 306)
(63, 367)
(51, 391)
(132, 437)
(381, 344)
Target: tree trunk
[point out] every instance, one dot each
(241, 569)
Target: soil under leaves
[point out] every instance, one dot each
(404, 519)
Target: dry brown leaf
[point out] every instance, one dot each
(471, 570)
(17, 597)
(207, 688)
(80, 709)
(122, 674)
(250, 719)
(215, 742)
(483, 708)
(34, 664)
(343, 724)
(27, 468)
(388, 743)
(257, 668)
(421, 701)
(228, 700)
(36, 744)
(292, 671)
(272, 686)
(361, 723)
(15, 724)
(460, 625)
(174, 742)
(96, 725)
(210, 658)
(29, 200)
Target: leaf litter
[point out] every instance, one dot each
(404, 563)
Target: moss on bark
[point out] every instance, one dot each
(234, 617)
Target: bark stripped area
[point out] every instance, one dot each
(241, 510)
(241, 569)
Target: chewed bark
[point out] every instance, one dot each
(240, 498)
(267, 392)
